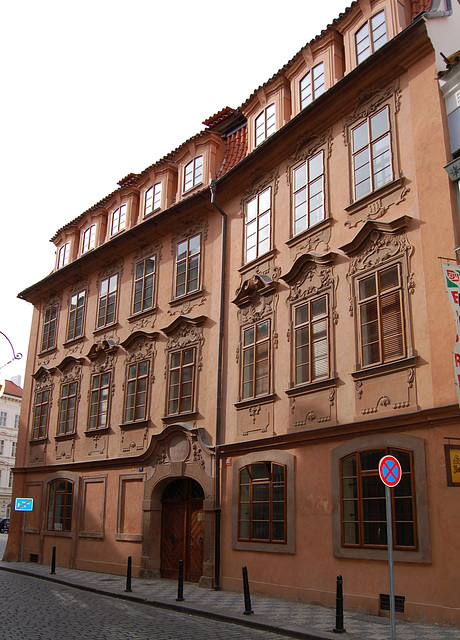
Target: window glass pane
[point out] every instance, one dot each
(370, 459)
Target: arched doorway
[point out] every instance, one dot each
(182, 529)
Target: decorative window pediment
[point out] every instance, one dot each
(106, 346)
(139, 345)
(373, 233)
(306, 266)
(44, 375)
(184, 324)
(259, 285)
(71, 368)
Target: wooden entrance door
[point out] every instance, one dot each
(182, 530)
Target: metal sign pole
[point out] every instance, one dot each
(390, 563)
(23, 532)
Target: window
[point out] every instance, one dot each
(265, 124)
(181, 382)
(144, 285)
(63, 255)
(49, 327)
(136, 392)
(60, 505)
(3, 417)
(308, 193)
(188, 264)
(262, 502)
(10, 480)
(2, 447)
(89, 237)
(40, 419)
(76, 315)
(257, 228)
(16, 421)
(364, 506)
(99, 407)
(67, 408)
(13, 449)
(381, 316)
(256, 360)
(312, 85)
(107, 301)
(371, 36)
(152, 200)
(118, 220)
(311, 342)
(371, 149)
(193, 174)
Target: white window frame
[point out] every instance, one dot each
(193, 173)
(311, 194)
(265, 124)
(89, 237)
(368, 32)
(63, 255)
(152, 199)
(255, 220)
(315, 79)
(118, 222)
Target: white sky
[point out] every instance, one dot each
(94, 90)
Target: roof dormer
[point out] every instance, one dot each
(198, 161)
(267, 110)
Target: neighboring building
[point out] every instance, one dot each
(10, 409)
(232, 339)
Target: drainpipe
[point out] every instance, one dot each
(218, 508)
(434, 13)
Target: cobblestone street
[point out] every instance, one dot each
(40, 610)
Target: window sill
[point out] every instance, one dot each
(65, 436)
(257, 261)
(92, 432)
(244, 404)
(311, 231)
(151, 214)
(141, 314)
(59, 534)
(72, 341)
(311, 387)
(128, 537)
(383, 369)
(91, 535)
(135, 423)
(36, 441)
(187, 296)
(47, 352)
(106, 327)
(190, 415)
(381, 192)
(192, 189)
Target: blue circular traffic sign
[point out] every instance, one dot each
(390, 471)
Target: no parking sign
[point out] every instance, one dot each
(390, 471)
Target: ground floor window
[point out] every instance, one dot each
(60, 505)
(262, 502)
(364, 504)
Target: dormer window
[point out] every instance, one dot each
(152, 200)
(265, 124)
(89, 237)
(118, 220)
(63, 255)
(371, 36)
(193, 174)
(312, 85)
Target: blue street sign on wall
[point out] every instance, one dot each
(24, 504)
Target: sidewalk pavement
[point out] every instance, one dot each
(270, 614)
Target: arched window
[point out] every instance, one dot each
(363, 501)
(262, 502)
(60, 495)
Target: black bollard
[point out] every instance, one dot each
(247, 596)
(128, 575)
(53, 562)
(339, 607)
(180, 584)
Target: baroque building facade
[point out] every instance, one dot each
(232, 339)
